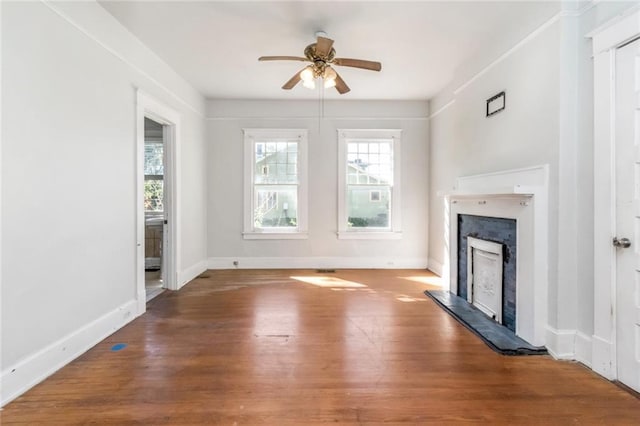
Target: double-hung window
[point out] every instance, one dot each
(153, 177)
(275, 183)
(369, 184)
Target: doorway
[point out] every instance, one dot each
(615, 343)
(157, 153)
(155, 234)
(627, 207)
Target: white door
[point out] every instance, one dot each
(627, 241)
(166, 255)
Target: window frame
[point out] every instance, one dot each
(251, 138)
(395, 226)
(155, 141)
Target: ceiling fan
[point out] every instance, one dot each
(322, 56)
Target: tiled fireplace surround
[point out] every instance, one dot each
(519, 195)
(498, 230)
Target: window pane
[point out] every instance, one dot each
(371, 161)
(276, 207)
(260, 151)
(278, 165)
(153, 159)
(153, 195)
(292, 158)
(368, 207)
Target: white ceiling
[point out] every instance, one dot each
(215, 44)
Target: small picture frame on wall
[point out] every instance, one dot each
(495, 104)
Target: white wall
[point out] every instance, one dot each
(226, 119)
(69, 78)
(464, 141)
(548, 119)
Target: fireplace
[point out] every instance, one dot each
(484, 276)
(487, 252)
(508, 208)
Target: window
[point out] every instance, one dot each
(369, 184)
(275, 183)
(153, 177)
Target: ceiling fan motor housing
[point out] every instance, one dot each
(310, 53)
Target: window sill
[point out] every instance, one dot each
(369, 235)
(275, 235)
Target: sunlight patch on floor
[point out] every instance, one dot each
(409, 299)
(322, 281)
(434, 280)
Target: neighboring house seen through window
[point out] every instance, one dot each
(275, 173)
(369, 184)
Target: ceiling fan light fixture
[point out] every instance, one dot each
(309, 84)
(329, 77)
(307, 74)
(329, 73)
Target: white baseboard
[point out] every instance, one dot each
(602, 361)
(20, 377)
(583, 348)
(316, 263)
(435, 266)
(191, 272)
(560, 343)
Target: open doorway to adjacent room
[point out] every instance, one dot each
(155, 229)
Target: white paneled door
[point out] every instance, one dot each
(627, 240)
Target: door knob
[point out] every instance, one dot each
(621, 242)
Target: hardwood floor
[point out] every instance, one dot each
(351, 347)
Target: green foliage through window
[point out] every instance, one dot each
(153, 196)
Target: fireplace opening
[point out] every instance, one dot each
(487, 266)
(484, 276)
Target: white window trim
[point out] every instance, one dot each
(344, 232)
(276, 135)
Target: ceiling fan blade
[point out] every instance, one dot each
(292, 81)
(282, 58)
(341, 86)
(323, 46)
(358, 63)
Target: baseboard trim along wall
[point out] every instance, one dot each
(191, 272)
(316, 263)
(561, 343)
(583, 348)
(601, 357)
(20, 377)
(435, 266)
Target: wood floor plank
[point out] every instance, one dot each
(351, 347)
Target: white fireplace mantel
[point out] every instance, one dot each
(491, 192)
(520, 194)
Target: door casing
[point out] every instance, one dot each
(627, 203)
(149, 107)
(606, 40)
